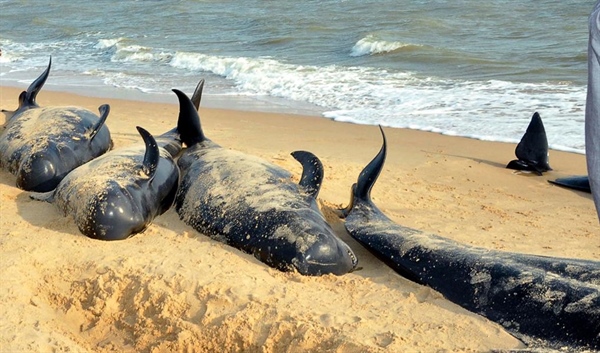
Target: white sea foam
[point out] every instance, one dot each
(108, 43)
(371, 45)
(491, 110)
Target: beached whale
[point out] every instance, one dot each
(119, 193)
(532, 150)
(592, 107)
(254, 206)
(40, 145)
(554, 299)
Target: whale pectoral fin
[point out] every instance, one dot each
(35, 88)
(580, 183)
(188, 123)
(104, 109)
(197, 96)
(152, 155)
(538, 168)
(43, 196)
(526, 166)
(312, 172)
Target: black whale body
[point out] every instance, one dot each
(119, 193)
(252, 205)
(41, 145)
(554, 299)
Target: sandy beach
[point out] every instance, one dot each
(171, 289)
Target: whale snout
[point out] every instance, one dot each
(115, 216)
(328, 255)
(38, 173)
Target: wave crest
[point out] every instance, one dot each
(371, 45)
(122, 51)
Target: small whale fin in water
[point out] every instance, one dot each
(312, 172)
(152, 155)
(532, 150)
(580, 183)
(197, 96)
(104, 109)
(188, 123)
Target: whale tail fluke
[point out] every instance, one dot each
(532, 150)
(188, 123)
(312, 172)
(361, 190)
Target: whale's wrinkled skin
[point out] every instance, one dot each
(254, 206)
(41, 145)
(553, 299)
(118, 194)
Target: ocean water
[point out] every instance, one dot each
(463, 67)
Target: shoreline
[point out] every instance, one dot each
(259, 104)
(170, 288)
(265, 104)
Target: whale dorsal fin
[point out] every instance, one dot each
(197, 96)
(152, 155)
(312, 172)
(370, 173)
(104, 109)
(188, 123)
(533, 147)
(361, 190)
(34, 88)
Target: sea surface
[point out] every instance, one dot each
(470, 68)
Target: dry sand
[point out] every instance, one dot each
(171, 289)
